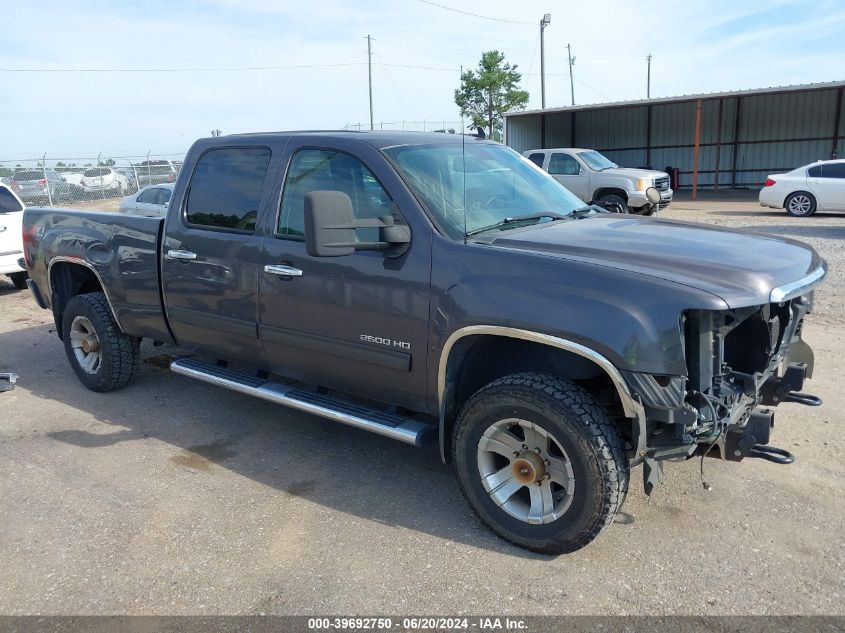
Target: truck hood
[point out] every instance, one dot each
(739, 267)
(629, 172)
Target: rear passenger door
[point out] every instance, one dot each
(210, 254)
(828, 185)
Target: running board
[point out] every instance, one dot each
(383, 423)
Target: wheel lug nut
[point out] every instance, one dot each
(547, 476)
(537, 450)
(538, 483)
(524, 447)
(516, 453)
(547, 462)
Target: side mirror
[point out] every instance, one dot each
(330, 228)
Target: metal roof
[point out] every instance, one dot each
(682, 98)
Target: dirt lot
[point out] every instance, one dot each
(171, 496)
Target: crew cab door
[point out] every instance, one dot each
(566, 169)
(211, 251)
(356, 323)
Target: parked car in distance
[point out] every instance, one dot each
(39, 185)
(103, 179)
(150, 201)
(156, 172)
(596, 179)
(72, 177)
(819, 186)
(437, 287)
(11, 237)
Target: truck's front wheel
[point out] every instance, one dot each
(103, 357)
(540, 462)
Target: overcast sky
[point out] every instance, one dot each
(697, 46)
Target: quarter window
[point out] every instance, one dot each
(815, 172)
(537, 158)
(225, 188)
(149, 196)
(331, 170)
(563, 165)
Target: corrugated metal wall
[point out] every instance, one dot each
(776, 132)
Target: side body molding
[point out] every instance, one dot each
(632, 407)
(81, 262)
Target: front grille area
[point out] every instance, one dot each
(661, 183)
(750, 346)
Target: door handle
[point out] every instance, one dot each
(282, 270)
(183, 255)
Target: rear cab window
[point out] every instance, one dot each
(537, 158)
(225, 189)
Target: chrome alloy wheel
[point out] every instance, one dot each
(86, 344)
(525, 471)
(800, 204)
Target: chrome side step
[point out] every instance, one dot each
(384, 423)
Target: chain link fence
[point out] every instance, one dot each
(101, 180)
(450, 127)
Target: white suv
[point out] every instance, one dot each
(97, 179)
(11, 237)
(803, 191)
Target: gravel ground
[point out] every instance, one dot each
(174, 497)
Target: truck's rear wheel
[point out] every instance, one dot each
(103, 357)
(540, 462)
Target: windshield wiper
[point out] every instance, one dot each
(517, 219)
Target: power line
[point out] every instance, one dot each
(476, 15)
(221, 69)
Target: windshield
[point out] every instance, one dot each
(499, 183)
(596, 161)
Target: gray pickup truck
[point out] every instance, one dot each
(440, 287)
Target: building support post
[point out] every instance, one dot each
(837, 118)
(718, 144)
(695, 149)
(542, 131)
(648, 137)
(737, 119)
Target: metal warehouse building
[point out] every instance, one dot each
(727, 140)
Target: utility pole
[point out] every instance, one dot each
(648, 78)
(544, 22)
(370, 75)
(571, 64)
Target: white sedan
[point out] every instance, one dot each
(150, 201)
(11, 237)
(803, 191)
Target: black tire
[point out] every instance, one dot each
(612, 199)
(800, 204)
(19, 279)
(120, 354)
(582, 428)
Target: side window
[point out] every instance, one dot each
(330, 170)
(815, 171)
(148, 196)
(537, 158)
(225, 188)
(8, 202)
(563, 165)
(833, 170)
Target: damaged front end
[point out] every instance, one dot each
(740, 364)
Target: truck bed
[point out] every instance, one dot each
(122, 250)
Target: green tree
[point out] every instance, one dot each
(489, 91)
(60, 164)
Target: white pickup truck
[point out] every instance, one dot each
(595, 179)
